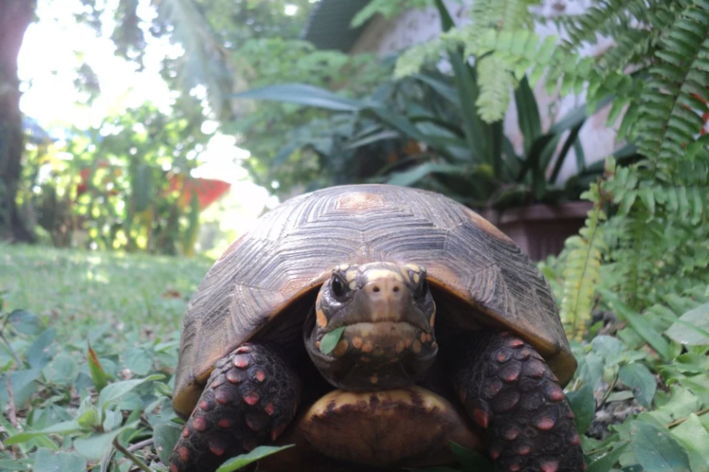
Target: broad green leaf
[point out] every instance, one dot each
(330, 340)
(20, 464)
(471, 461)
(243, 460)
(692, 328)
(418, 172)
(116, 390)
(49, 461)
(302, 94)
(641, 380)
(139, 360)
(97, 373)
(607, 461)
(65, 427)
(639, 324)
(620, 396)
(656, 449)
(695, 438)
(607, 346)
(583, 404)
(26, 323)
(96, 445)
(62, 370)
(38, 354)
(166, 436)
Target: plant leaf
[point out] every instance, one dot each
(656, 450)
(253, 456)
(330, 340)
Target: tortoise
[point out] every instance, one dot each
(372, 325)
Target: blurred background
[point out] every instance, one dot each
(134, 135)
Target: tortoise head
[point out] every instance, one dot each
(379, 317)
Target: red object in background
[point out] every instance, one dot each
(207, 190)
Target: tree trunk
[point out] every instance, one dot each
(15, 17)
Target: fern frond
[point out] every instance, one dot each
(495, 83)
(582, 271)
(414, 58)
(670, 114)
(506, 15)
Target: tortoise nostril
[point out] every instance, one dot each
(396, 288)
(375, 288)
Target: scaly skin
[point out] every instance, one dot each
(511, 393)
(249, 399)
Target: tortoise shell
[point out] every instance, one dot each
(478, 276)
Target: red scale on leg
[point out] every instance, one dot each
(207, 405)
(242, 362)
(216, 448)
(510, 372)
(225, 396)
(224, 423)
(269, 409)
(233, 376)
(511, 434)
(277, 431)
(260, 376)
(251, 398)
(199, 424)
(481, 417)
(534, 368)
(549, 466)
(184, 454)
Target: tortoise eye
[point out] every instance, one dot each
(338, 287)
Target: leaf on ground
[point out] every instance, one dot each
(583, 404)
(692, 328)
(243, 460)
(96, 445)
(116, 390)
(165, 436)
(49, 461)
(639, 378)
(695, 438)
(656, 449)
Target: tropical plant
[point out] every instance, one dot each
(126, 186)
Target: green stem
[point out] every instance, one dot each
(610, 390)
(682, 420)
(130, 456)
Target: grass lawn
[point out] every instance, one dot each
(55, 303)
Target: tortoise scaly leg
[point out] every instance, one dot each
(249, 399)
(511, 393)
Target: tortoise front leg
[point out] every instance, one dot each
(250, 398)
(511, 393)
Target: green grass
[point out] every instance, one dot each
(55, 303)
(125, 298)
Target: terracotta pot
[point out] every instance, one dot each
(539, 229)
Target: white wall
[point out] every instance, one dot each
(385, 37)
